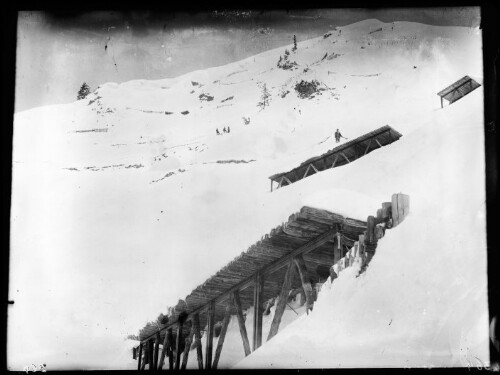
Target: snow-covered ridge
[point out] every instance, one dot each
(119, 244)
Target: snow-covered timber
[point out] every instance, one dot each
(458, 90)
(348, 151)
(400, 208)
(311, 238)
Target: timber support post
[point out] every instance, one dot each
(210, 336)
(282, 300)
(150, 354)
(169, 349)
(241, 322)
(257, 317)
(197, 338)
(187, 347)
(222, 334)
(139, 357)
(304, 278)
(178, 345)
(370, 230)
(164, 351)
(145, 357)
(157, 347)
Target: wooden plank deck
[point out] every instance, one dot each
(309, 232)
(292, 257)
(338, 156)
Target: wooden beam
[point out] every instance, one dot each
(304, 278)
(169, 348)
(140, 357)
(335, 161)
(313, 167)
(178, 345)
(274, 266)
(210, 336)
(376, 140)
(307, 170)
(271, 186)
(370, 230)
(151, 354)
(386, 210)
(309, 246)
(241, 322)
(257, 310)
(400, 208)
(368, 147)
(145, 358)
(361, 246)
(287, 180)
(282, 300)
(163, 352)
(337, 250)
(187, 347)
(345, 157)
(197, 338)
(157, 347)
(281, 181)
(222, 335)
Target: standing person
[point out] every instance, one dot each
(224, 130)
(338, 136)
(228, 129)
(217, 130)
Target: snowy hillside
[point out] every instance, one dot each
(127, 200)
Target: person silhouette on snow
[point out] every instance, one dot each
(228, 129)
(224, 130)
(217, 130)
(338, 136)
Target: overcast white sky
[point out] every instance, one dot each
(56, 53)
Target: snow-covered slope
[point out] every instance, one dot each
(111, 226)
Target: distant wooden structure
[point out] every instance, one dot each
(338, 156)
(458, 90)
(288, 258)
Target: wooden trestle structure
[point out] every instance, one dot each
(338, 156)
(458, 90)
(288, 258)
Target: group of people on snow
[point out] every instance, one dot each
(228, 130)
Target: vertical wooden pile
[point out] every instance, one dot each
(389, 216)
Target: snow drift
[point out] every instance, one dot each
(126, 201)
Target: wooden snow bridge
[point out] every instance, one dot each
(458, 90)
(292, 257)
(338, 156)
